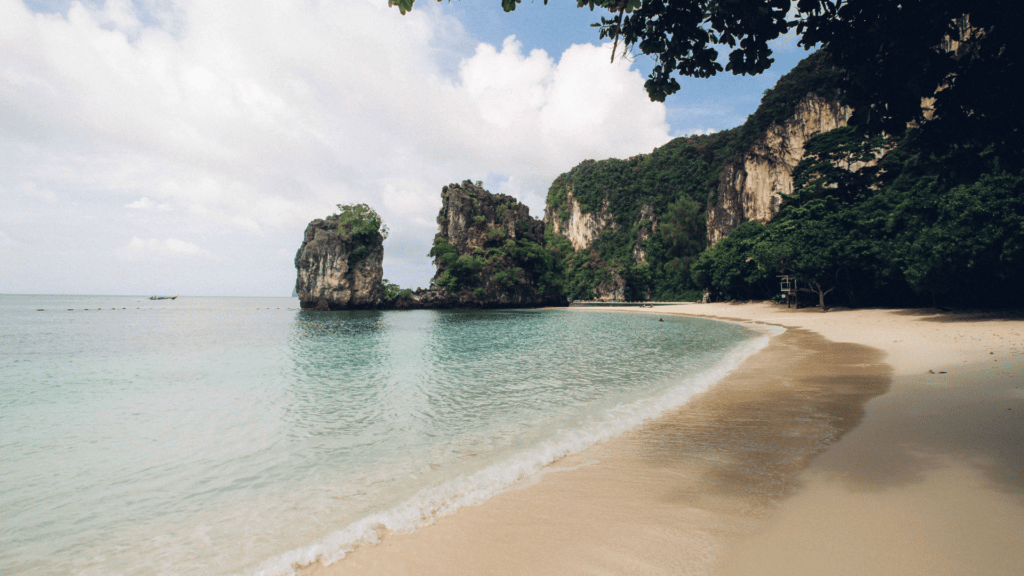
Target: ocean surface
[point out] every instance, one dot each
(244, 436)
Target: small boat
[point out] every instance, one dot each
(163, 297)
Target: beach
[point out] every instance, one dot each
(856, 442)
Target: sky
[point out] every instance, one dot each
(181, 146)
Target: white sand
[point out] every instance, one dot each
(927, 478)
(914, 341)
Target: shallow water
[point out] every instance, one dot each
(241, 435)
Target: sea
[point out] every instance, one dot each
(215, 436)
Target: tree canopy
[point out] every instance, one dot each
(360, 221)
(907, 231)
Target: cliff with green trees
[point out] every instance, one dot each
(861, 214)
(628, 229)
(631, 229)
(927, 224)
(340, 262)
(489, 252)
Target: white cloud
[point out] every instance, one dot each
(6, 241)
(141, 204)
(547, 116)
(145, 203)
(31, 190)
(139, 248)
(260, 115)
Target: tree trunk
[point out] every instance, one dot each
(817, 289)
(821, 295)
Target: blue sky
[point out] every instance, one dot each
(180, 146)
(716, 103)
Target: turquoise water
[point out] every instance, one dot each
(241, 435)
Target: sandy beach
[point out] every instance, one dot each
(856, 442)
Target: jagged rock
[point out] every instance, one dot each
(337, 271)
(646, 228)
(468, 213)
(580, 227)
(484, 252)
(751, 188)
(614, 289)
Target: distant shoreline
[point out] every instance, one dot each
(747, 477)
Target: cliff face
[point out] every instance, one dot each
(338, 271)
(647, 227)
(751, 188)
(578, 226)
(489, 253)
(582, 228)
(472, 217)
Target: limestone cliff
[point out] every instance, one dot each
(598, 203)
(751, 187)
(489, 253)
(472, 217)
(582, 228)
(646, 228)
(338, 269)
(578, 226)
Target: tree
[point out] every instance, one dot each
(973, 252)
(809, 244)
(683, 236)
(360, 221)
(729, 269)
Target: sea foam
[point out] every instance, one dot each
(445, 499)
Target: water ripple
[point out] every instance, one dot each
(207, 435)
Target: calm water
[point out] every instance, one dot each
(241, 435)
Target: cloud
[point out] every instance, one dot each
(145, 203)
(6, 241)
(259, 116)
(546, 116)
(139, 248)
(31, 190)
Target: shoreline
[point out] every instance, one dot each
(724, 483)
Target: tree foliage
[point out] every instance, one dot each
(360, 221)
(673, 182)
(915, 229)
(455, 271)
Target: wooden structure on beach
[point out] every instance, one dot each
(787, 285)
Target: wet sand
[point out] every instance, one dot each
(833, 450)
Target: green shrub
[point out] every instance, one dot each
(455, 271)
(360, 222)
(495, 234)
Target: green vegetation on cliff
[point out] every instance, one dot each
(672, 183)
(489, 251)
(926, 219)
(513, 264)
(455, 271)
(359, 221)
(363, 225)
(675, 183)
(917, 229)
